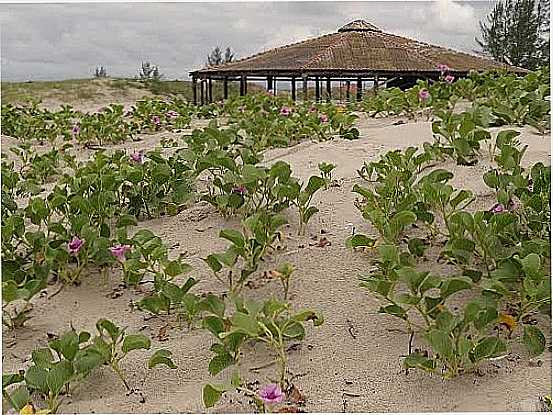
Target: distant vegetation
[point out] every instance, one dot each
(100, 89)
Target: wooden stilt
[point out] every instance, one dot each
(194, 91)
(359, 89)
(293, 88)
(210, 90)
(317, 89)
(202, 92)
(348, 86)
(305, 98)
(328, 90)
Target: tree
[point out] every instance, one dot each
(216, 56)
(149, 72)
(100, 72)
(516, 32)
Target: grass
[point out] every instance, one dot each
(109, 89)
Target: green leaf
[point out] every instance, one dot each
(418, 361)
(211, 394)
(233, 236)
(311, 210)
(109, 327)
(36, 378)
(12, 378)
(451, 286)
(59, 376)
(134, 342)
(43, 358)
(161, 357)
(20, 397)
(245, 323)
(441, 343)
(534, 339)
(220, 362)
(486, 348)
(358, 240)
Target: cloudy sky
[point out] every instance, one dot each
(62, 41)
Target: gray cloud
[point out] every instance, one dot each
(60, 41)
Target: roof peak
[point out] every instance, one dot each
(359, 26)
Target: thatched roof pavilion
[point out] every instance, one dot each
(358, 51)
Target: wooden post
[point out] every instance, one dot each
(241, 86)
(293, 88)
(317, 89)
(328, 89)
(225, 87)
(245, 85)
(275, 89)
(194, 91)
(305, 98)
(348, 85)
(269, 83)
(202, 92)
(359, 89)
(375, 84)
(210, 91)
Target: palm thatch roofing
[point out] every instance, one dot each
(358, 48)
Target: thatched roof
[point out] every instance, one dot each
(357, 48)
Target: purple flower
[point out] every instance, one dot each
(119, 251)
(138, 157)
(443, 68)
(76, 129)
(285, 111)
(497, 208)
(75, 245)
(172, 114)
(424, 94)
(313, 109)
(323, 118)
(240, 190)
(271, 393)
(156, 120)
(449, 79)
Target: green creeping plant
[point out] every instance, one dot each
(462, 133)
(303, 199)
(326, 172)
(459, 341)
(271, 322)
(150, 256)
(172, 298)
(106, 126)
(259, 232)
(391, 203)
(70, 358)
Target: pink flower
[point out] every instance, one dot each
(323, 118)
(172, 114)
(138, 157)
(75, 245)
(313, 109)
(76, 129)
(424, 94)
(156, 120)
(443, 68)
(497, 208)
(119, 251)
(241, 109)
(240, 190)
(271, 393)
(285, 111)
(449, 79)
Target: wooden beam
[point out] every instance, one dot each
(359, 89)
(293, 88)
(225, 87)
(194, 91)
(317, 89)
(328, 90)
(348, 85)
